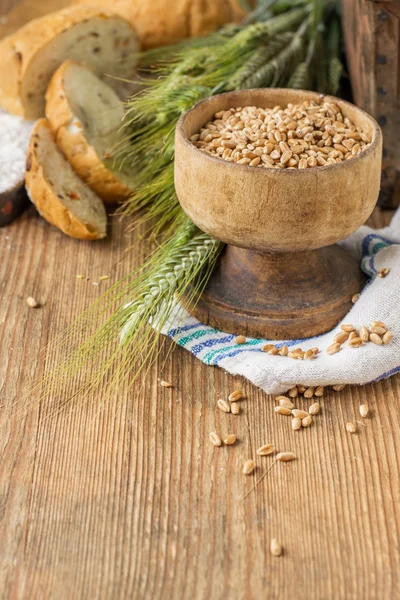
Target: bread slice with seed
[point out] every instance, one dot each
(85, 115)
(58, 193)
(98, 38)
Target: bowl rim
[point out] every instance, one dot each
(375, 142)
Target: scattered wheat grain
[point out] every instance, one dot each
(224, 406)
(266, 450)
(314, 408)
(375, 339)
(230, 439)
(215, 439)
(338, 387)
(284, 401)
(347, 327)
(300, 414)
(235, 396)
(248, 467)
(275, 547)
(285, 456)
(384, 272)
(333, 348)
(235, 408)
(387, 337)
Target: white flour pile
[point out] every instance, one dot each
(14, 136)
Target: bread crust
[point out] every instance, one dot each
(46, 201)
(75, 146)
(163, 22)
(18, 50)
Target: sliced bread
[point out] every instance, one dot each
(58, 193)
(85, 115)
(101, 39)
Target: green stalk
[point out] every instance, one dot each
(137, 308)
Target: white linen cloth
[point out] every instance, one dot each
(379, 301)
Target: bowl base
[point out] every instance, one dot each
(279, 296)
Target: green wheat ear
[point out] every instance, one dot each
(135, 309)
(300, 78)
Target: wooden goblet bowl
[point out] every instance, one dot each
(281, 275)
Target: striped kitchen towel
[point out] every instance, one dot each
(379, 300)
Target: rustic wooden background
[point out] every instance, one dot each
(135, 502)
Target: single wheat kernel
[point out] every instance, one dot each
(309, 354)
(224, 406)
(283, 401)
(378, 324)
(309, 393)
(387, 337)
(285, 456)
(375, 339)
(351, 427)
(293, 392)
(364, 334)
(347, 327)
(32, 303)
(314, 408)
(215, 439)
(283, 351)
(355, 342)
(235, 396)
(300, 414)
(166, 384)
(267, 347)
(296, 423)
(338, 387)
(275, 547)
(266, 450)
(377, 329)
(235, 408)
(230, 439)
(341, 337)
(248, 467)
(306, 422)
(383, 272)
(240, 339)
(355, 298)
(282, 410)
(319, 391)
(301, 388)
(297, 354)
(352, 335)
(333, 348)
(364, 410)
(273, 351)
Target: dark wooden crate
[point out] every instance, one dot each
(372, 37)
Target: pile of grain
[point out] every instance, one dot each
(296, 137)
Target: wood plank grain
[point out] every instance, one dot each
(135, 501)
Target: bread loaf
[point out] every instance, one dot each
(58, 193)
(163, 22)
(85, 115)
(98, 38)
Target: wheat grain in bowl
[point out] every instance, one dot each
(299, 136)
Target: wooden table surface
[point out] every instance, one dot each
(135, 502)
